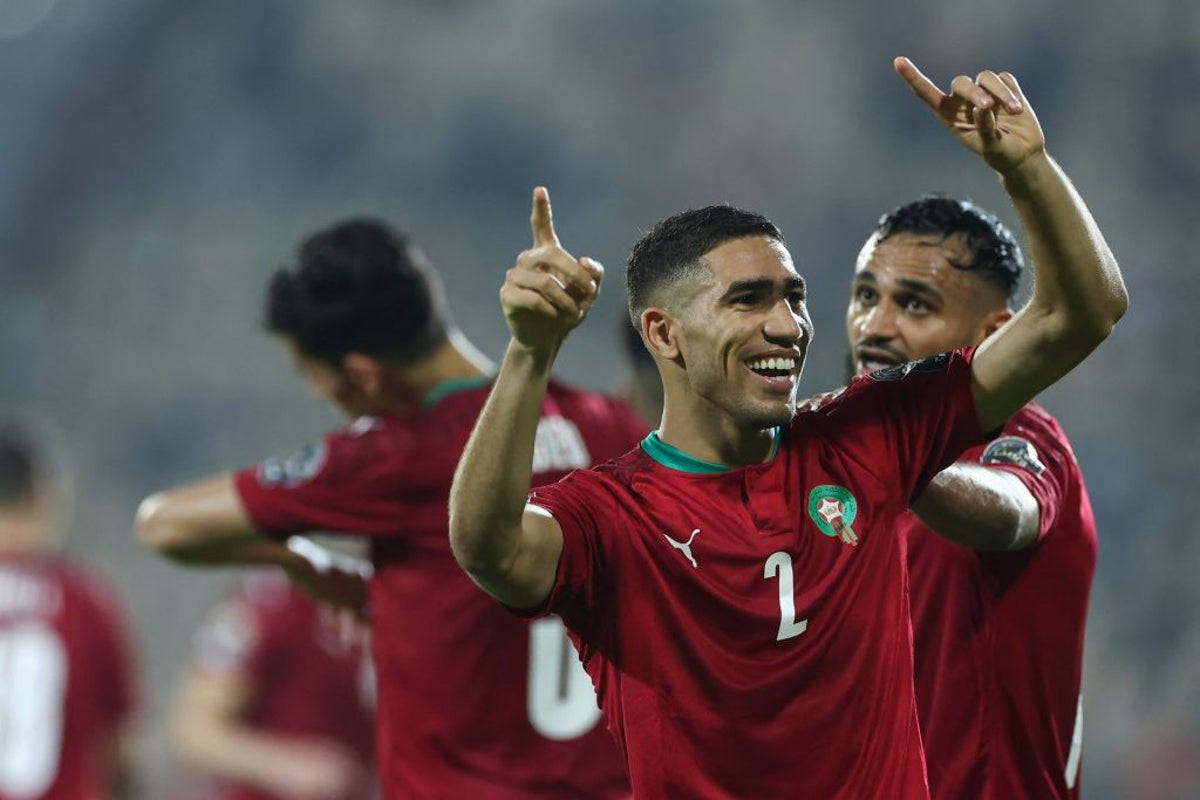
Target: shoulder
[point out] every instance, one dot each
(611, 479)
(1028, 439)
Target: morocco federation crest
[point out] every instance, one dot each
(833, 509)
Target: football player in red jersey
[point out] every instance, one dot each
(276, 704)
(472, 702)
(999, 599)
(736, 585)
(67, 679)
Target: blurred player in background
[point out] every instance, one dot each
(276, 704)
(67, 678)
(999, 598)
(737, 585)
(473, 703)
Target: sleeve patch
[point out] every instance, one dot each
(897, 371)
(1015, 451)
(294, 470)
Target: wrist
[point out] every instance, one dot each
(1025, 176)
(536, 360)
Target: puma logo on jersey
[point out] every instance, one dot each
(685, 547)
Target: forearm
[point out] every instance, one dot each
(493, 478)
(1075, 274)
(229, 751)
(981, 508)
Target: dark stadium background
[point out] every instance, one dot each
(160, 158)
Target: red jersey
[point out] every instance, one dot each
(473, 702)
(302, 681)
(66, 679)
(999, 636)
(747, 629)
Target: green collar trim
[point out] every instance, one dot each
(453, 386)
(674, 458)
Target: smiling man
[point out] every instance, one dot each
(1002, 547)
(736, 584)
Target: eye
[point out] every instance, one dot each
(915, 305)
(865, 294)
(748, 299)
(796, 299)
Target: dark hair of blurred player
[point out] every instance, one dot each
(363, 315)
(67, 682)
(471, 701)
(939, 274)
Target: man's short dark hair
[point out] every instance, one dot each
(18, 470)
(674, 248)
(995, 254)
(359, 286)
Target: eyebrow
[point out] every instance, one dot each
(764, 285)
(919, 287)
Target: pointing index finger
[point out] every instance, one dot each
(921, 86)
(541, 220)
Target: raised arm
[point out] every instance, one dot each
(1078, 294)
(513, 554)
(205, 524)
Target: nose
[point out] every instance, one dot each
(879, 322)
(784, 326)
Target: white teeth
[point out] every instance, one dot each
(787, 364)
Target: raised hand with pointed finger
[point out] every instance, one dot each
(989, 114)
(548, 292)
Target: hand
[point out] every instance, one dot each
(989, 115)
(548, 292)
(333, 579)
(319, 771)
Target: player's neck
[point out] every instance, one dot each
(23, 533)
(712, 437)
(455, 359)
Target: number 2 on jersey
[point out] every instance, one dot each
(780, 563)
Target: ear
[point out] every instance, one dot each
(994, 321)
(365, 372)
(661, 333)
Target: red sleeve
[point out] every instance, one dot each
(909, 421)
(1034, 448)
(577, 503)
(342, 484)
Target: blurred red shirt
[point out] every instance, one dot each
(67, 679)
(473, 702)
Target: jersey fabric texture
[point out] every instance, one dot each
(301, 681)
(998, 636)
(747, 629)
(67, 679)
(464, 711)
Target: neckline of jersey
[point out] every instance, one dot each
(453, 386)
(674, 458)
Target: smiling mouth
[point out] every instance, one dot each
(778, 372)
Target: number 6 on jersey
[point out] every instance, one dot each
(781, 563)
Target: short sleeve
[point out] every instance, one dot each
(908, 422)
(334, 485)
(577, 506)
(1033, 447)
